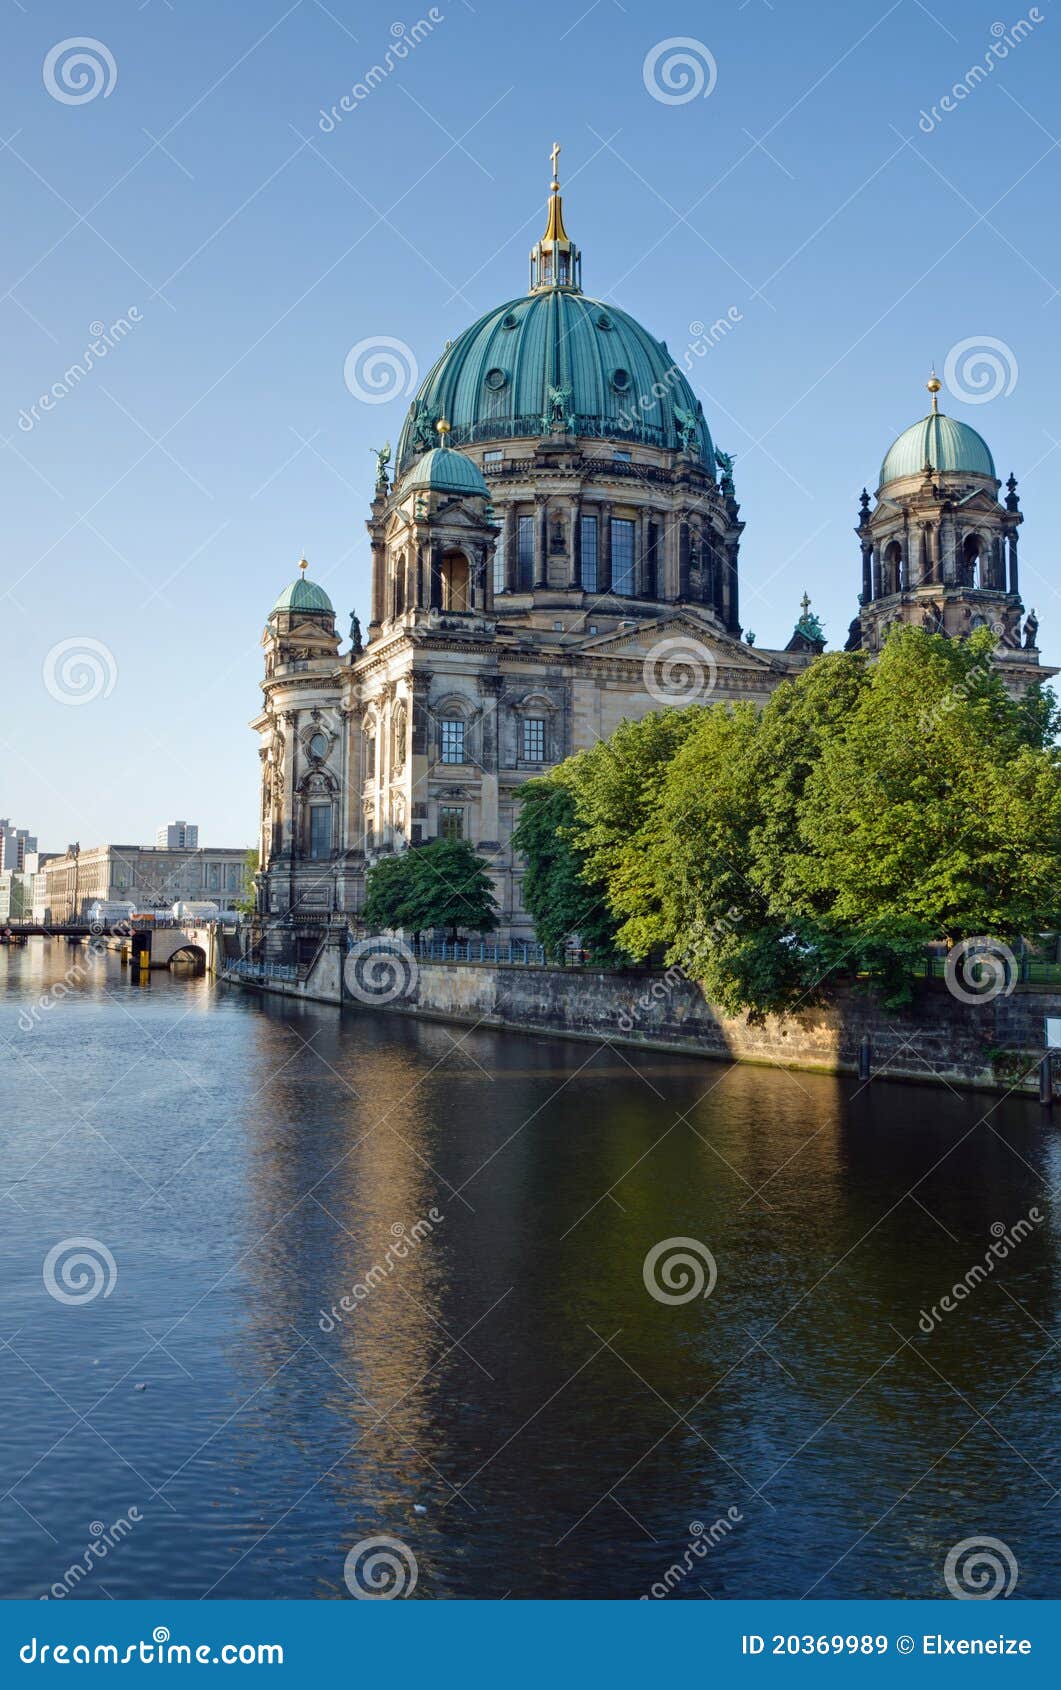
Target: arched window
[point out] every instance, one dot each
(456, 582)
(974, 556)
(893, 562)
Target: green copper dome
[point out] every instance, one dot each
(950, 447)
(445, 471)
(554, 358)
(304, 595)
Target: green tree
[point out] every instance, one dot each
(389, 892)
(246, 902)
(443, 884)
(935, 813)
(562, 900)
(868, 808)
(451, 888)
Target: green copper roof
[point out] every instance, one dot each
(552, 355)
(446, 471)
(303, 595)
(947, 445)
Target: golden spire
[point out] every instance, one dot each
(442, 428)
(554, 228)
(934, 384)
(303, 564)
(555, 259)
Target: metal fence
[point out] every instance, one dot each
(467, 950)
(246, 969)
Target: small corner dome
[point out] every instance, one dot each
(304, 594)
(951, 447)
(442, 470)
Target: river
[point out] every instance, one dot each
(503, 1394)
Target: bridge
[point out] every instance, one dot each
(163, 943)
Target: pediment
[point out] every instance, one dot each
(646, 638)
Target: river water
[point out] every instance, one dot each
(505, 1397)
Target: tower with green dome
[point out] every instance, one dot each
(939, 547)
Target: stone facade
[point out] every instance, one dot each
(572, 566)
(69, 884)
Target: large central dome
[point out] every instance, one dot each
(554, 361)
(500, 380)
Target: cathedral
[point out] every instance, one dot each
(555, 550)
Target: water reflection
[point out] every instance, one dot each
(507, 1398)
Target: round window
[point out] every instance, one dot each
(318, 745)
(510, 322)
(604, 321)
(620, 380)
(496, 378)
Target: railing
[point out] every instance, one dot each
(469, 950)
(246, 969)
(1019, 963)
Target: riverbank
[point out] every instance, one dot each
(993, 1044)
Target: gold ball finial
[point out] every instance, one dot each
(303, 564)
(934, 384)
(442, 428)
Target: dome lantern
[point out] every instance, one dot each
(555, 260)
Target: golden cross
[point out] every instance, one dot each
(554, 155)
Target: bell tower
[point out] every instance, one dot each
(939, 548)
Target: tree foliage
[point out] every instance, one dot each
(561, 899)
(443, 884)
(867, 809)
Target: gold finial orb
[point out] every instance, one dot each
(442, 428)
(934, 385)
(303, 563)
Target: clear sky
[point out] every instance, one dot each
(153, 513)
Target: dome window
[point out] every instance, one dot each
(496, 379)
(510, 322)
(604, 321)
(620, 380)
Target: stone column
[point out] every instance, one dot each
(490, 692)
(435, 583)
(1014, 585)
(604, 548)
(541, 541)
(379, 581)
(576, 543)
(684, 549)
(511, 550)
(867, 572)
(287, 834)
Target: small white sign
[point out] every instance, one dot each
(1053, 1033)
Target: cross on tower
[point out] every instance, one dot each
(554, 155)
(804, 603)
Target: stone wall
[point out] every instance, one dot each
(995, 1044)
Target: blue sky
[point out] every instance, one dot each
(154, 512)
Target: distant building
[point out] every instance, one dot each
(178, 836)
(16, 895)
(150, 877)
(14, 844)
